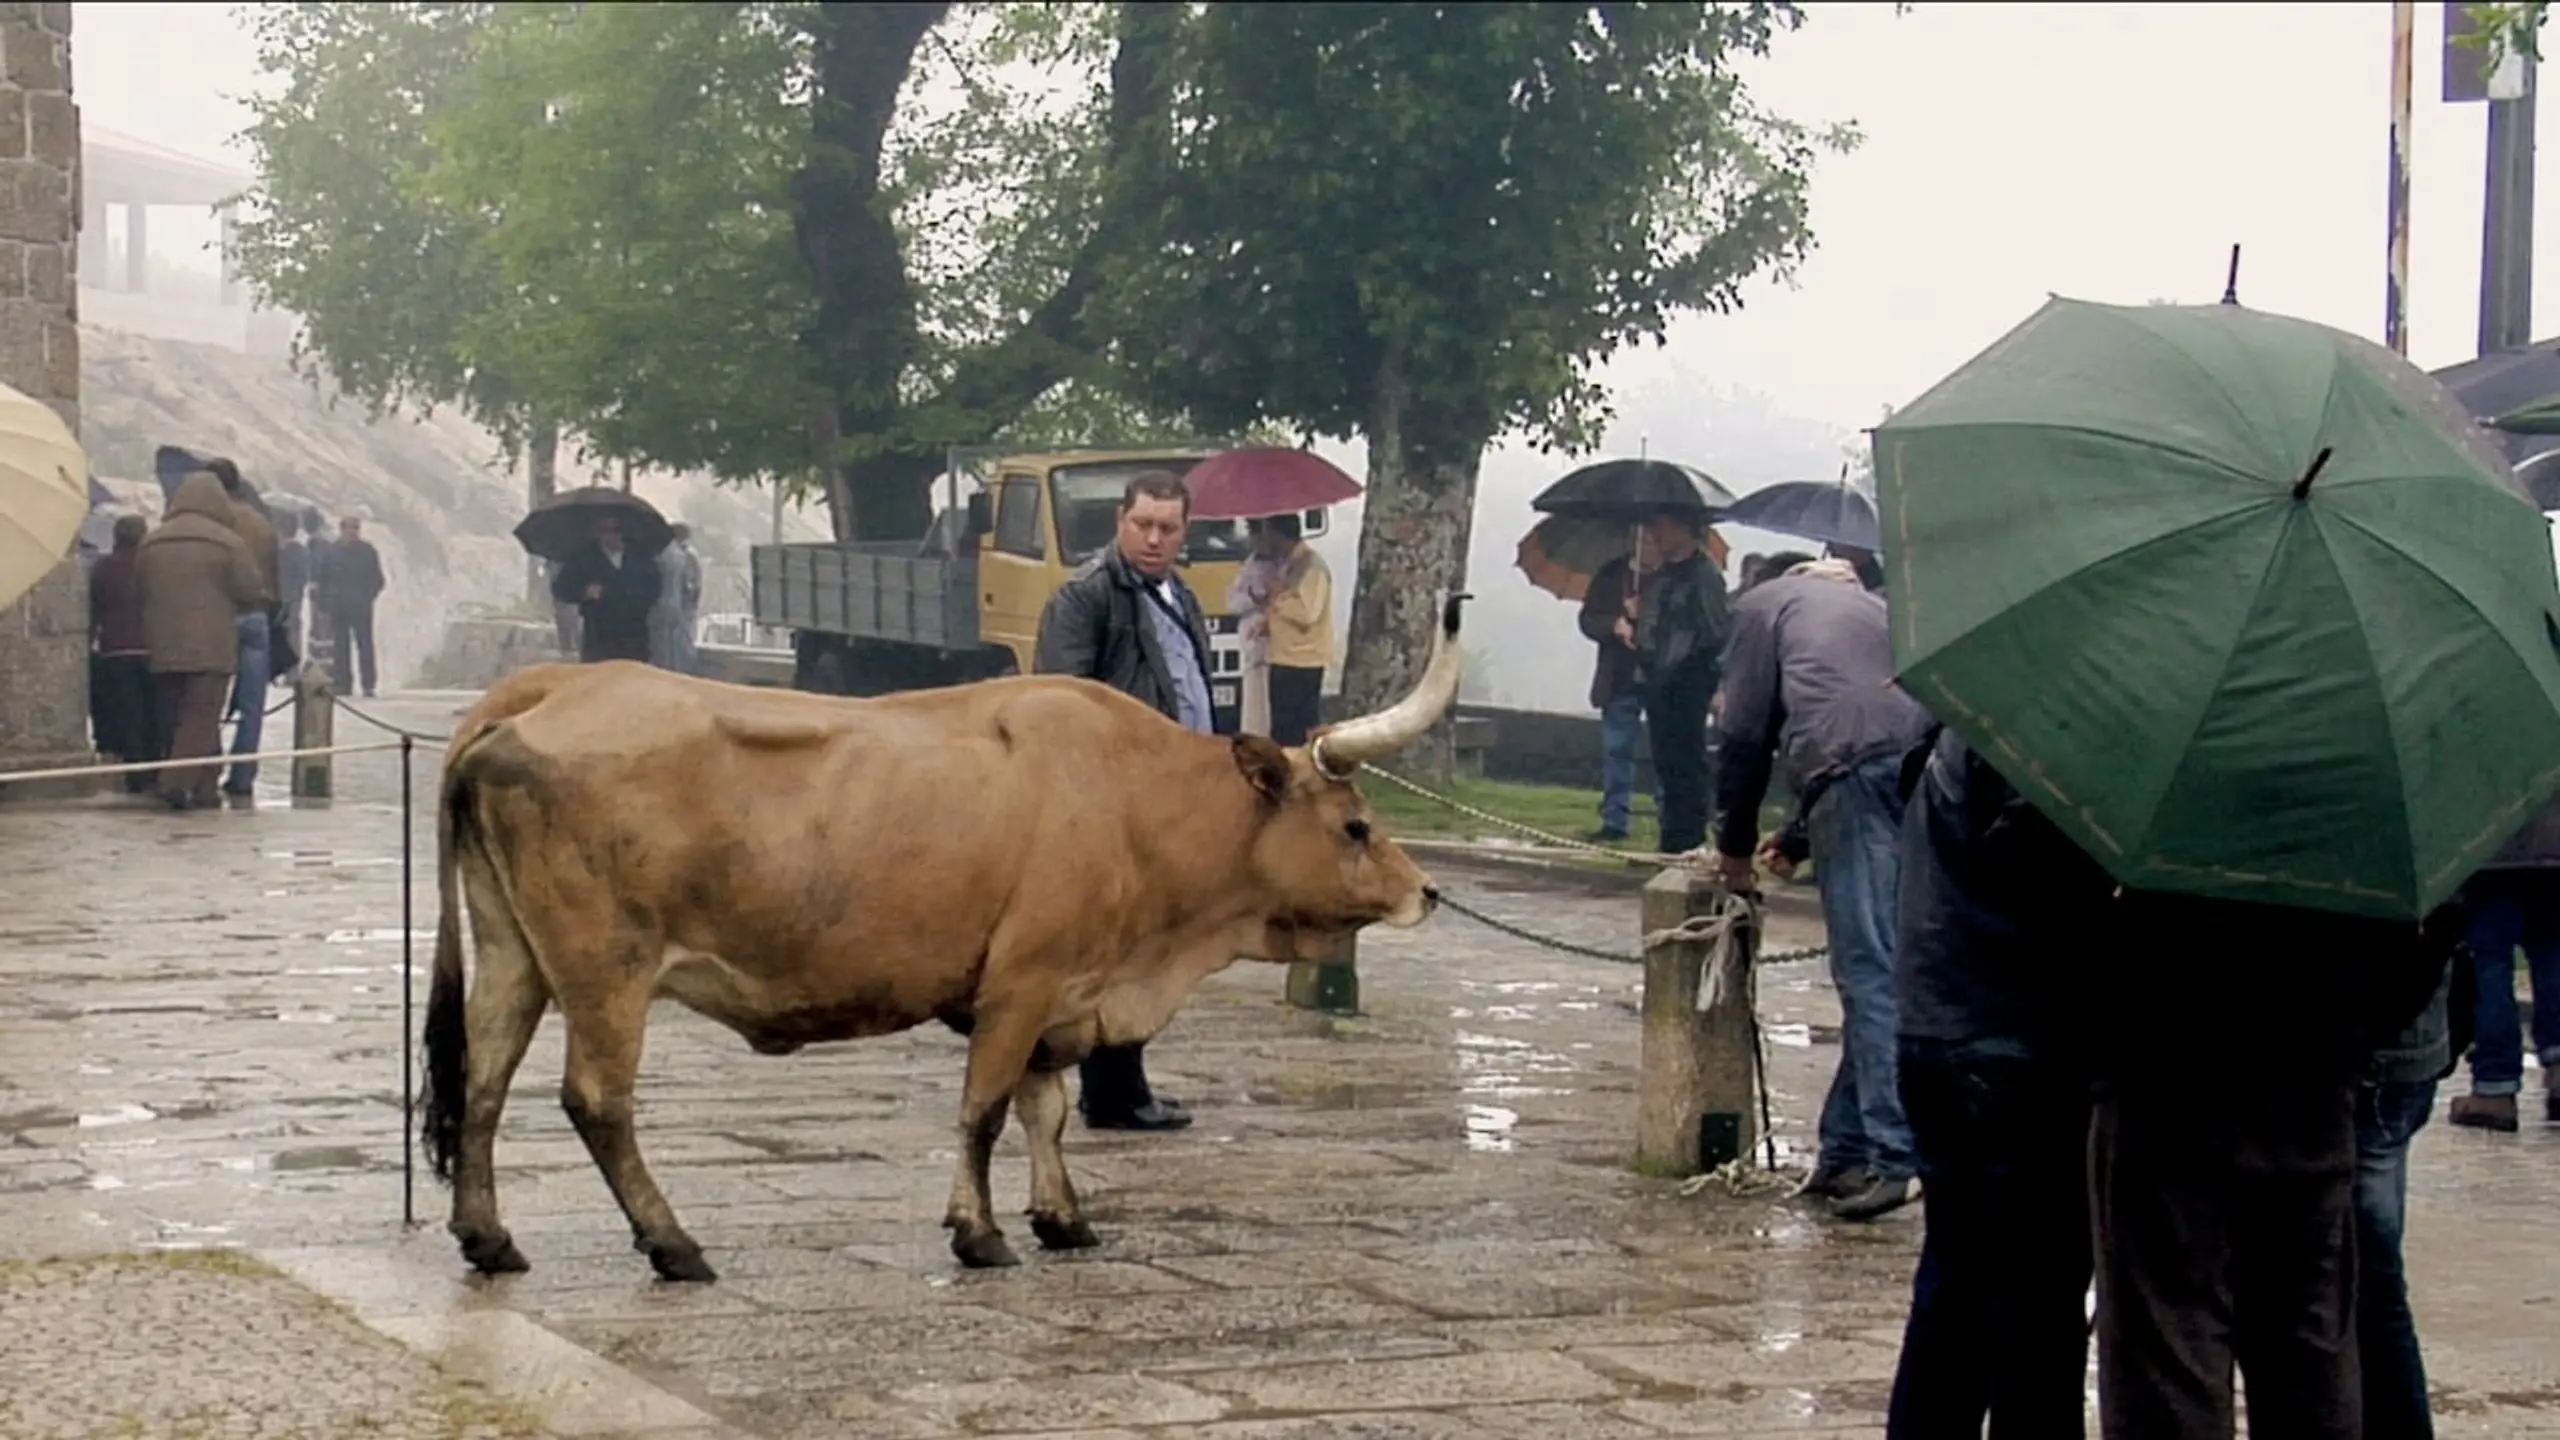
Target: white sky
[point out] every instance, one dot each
(2107, 151)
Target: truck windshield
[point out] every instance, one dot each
(1087, 499)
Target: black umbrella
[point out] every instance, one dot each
(2494, 385)
(1627, 491)
(1831, 513)
(563, 525)
(173, 464)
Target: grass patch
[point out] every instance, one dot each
(1556, 809)
(237, 1263)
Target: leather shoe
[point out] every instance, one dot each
(1157, 1114)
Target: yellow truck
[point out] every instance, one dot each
(963, 604)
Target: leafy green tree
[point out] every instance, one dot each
(639, 230)
(385, 281)
(1427, 224)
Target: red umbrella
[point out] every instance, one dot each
(1266, 480)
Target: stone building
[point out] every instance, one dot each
(44, 647)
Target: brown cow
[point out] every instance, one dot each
(1042, 864)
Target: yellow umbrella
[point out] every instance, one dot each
(44, 492)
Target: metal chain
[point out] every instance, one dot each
(1655, 860)
(1615, 957)
(381, 724)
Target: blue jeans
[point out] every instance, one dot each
(249, 694)
(2388, 1117)
(1621, 726)
(1856, 834)
(2512, 909)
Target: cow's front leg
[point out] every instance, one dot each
(1000, 1046)
(1040, 1101)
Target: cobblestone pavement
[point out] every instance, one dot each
(193, 1344)
(1413, 1224)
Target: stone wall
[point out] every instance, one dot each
(44, 666)
(477, 653)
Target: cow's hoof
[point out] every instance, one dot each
(1070, 1233)
(495, 1254)
(983, 1249)
(681, 1264)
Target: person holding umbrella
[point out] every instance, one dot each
(1608, 621)
(2249, 609)
(603, 544)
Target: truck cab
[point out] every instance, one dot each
(964, 604)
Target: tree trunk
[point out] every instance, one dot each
(1413, 550)
(541, 482)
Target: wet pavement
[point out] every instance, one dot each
(1416, 1223)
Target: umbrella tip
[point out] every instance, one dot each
(2231, 278)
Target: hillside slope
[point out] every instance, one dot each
(437, 494)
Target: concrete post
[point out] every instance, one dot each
(1331, 986)
(315, 724)
(44, 636)
(1694, 1094)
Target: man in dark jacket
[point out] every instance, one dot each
(1682, 620)
(350, 579)
(1809, 677)
(1997, 911)
(1127, 620)
(613, 590)
(1609, 622)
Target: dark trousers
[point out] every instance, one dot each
(1115, 1080)
(1296, 694)
(1676, 722)
(2226, 1238)
(124, 714)
(598, 643)
(1998, 1325)
(2388, 1117)
(351, 628)
(191, 716)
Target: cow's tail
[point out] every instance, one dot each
(448, 1037)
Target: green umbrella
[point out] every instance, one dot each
(2542, 417)
(2246, 604)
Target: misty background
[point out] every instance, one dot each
(2109, 152)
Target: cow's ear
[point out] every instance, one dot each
(1265, 765)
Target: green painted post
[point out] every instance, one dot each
(1330, 987)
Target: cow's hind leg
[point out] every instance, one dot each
(605, 1034)
(1000, 1045)
(1041, 1103)
(506, 1004)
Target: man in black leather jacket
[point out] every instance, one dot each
(1127, 620)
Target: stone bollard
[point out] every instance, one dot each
(1694, 1107)
(315, 714)
(1330, 986)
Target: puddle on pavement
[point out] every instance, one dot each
(1489, 1128)
(329, 860)
(125, 1114)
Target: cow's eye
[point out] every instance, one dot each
(1358, 830)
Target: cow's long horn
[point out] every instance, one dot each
(1353, 743)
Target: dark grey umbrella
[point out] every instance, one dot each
(1627, 491)
(1829, 513)
(2494, 385)
(562, 525)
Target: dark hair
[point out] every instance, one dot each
(313, 520)
(226, 472)
(129, 531)
(1155, 485)
(286, 525)
(1689, 520)
(1287, 525)
(1773, 566)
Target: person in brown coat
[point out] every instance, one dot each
(124, 709)
(198, 576)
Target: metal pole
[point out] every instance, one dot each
(408, 973)
(2395, 314)
(2506, 223)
